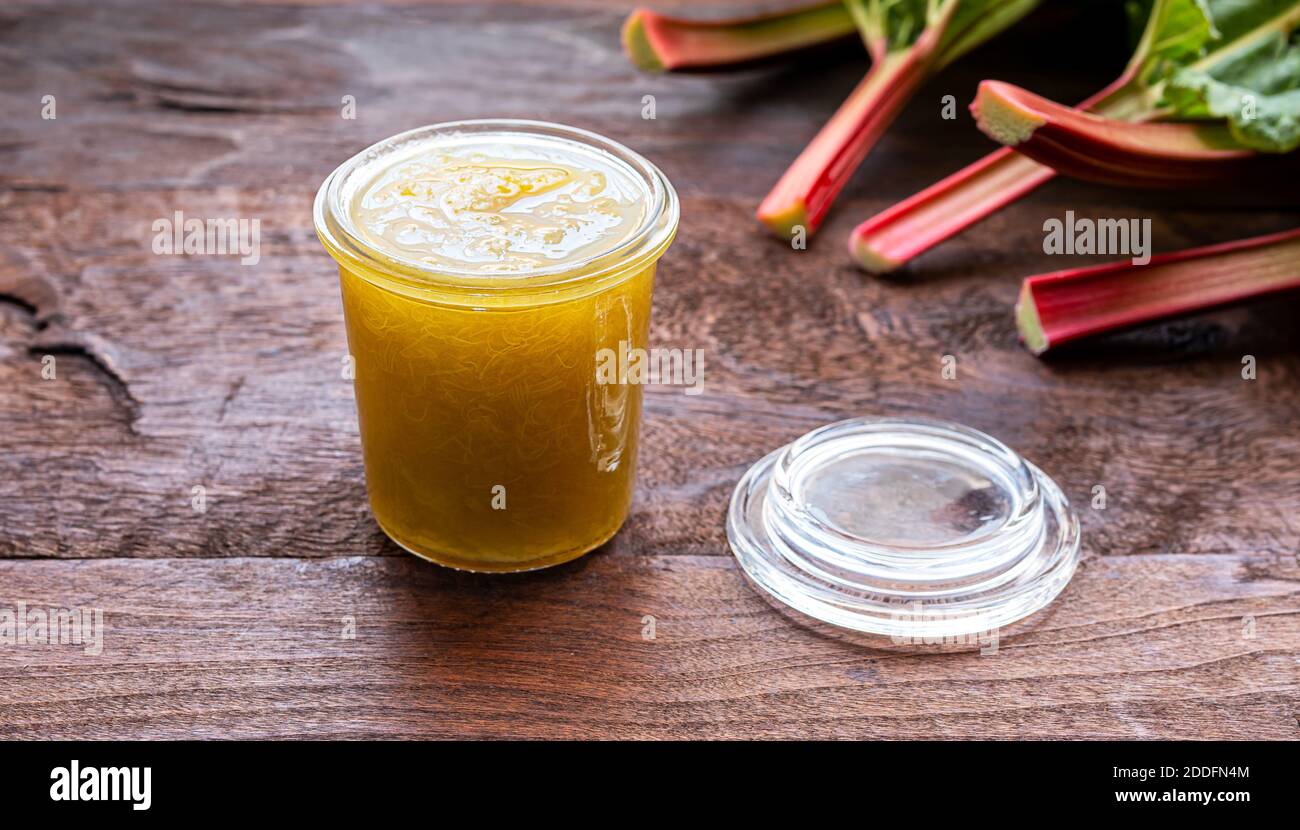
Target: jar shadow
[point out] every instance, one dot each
(455, 615)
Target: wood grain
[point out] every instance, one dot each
(176, 372)
(1140, 646)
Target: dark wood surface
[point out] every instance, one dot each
(176, 372)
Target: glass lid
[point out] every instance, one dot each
(906, 528)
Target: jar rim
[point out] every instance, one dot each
(644, 245)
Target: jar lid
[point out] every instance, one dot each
(907, 528)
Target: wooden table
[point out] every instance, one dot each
(176, 372)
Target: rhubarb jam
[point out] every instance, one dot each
(484, 267)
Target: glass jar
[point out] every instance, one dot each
(490, 443)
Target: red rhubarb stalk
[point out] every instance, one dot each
(947, 30)
(1088, 146)
(805, 192)
(892, 238)
(1063, 306)
(657, 43)
(1177, 34)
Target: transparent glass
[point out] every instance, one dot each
(914, 529)
(488, 443)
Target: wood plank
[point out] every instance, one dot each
(1140, 646)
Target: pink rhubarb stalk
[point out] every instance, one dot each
(805, 192)
(1177, 34)
(913, 226)
(1064, 306)
(890, 239)
(658, 43)
(1088, 146)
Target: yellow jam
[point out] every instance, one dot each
(489, 442)
(496, 209)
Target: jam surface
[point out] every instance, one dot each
(489, 206)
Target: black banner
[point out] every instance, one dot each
(139, 781)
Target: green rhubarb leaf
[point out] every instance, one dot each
(1201, 33)
(974, 23)
(1236, 19)
(1229, 60)
(889, 24)
(957, 26)
(1177, 33)
(1256, 89)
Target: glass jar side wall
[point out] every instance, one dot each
(489, 443)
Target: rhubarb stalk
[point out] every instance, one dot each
(1179, 35)
(892, 238)
(1060, 307)
(658, 43)
(1108, 151)
(805, 192)
(908, 43)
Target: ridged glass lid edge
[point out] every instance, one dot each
(909, 528)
